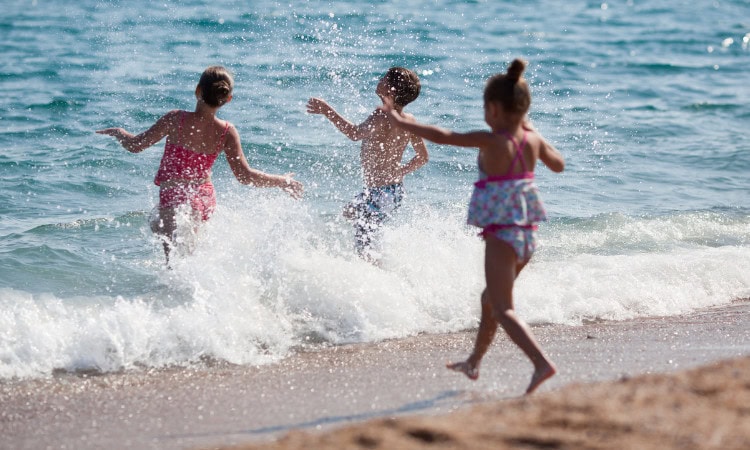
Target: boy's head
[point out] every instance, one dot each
(216, 86)
(402, 85)
(509, 89)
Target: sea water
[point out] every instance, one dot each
(648, 102)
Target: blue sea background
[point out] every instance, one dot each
(648, 101)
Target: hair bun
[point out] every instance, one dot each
(216, 85)
(222, 87)
(515, 70)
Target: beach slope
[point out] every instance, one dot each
(703, 408)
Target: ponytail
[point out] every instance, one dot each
(509, 89)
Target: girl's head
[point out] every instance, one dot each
(509, 90)
(215, 86)
(401, 84)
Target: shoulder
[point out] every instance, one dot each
(378, 115)
(174, 114)
(168, 123)
(408, 116)
(226, 124)
(172, 117)
(232, 135)
(534, 139)
(228, 127)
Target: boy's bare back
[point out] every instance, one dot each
(383, 144)
(382, 151)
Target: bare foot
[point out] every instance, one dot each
(466, 368)
(540, 376)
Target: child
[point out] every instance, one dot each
(194, 140)
(381, 153)
(505, 204)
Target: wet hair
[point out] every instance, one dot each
(216, 85)
(404, 83)
(509, 89)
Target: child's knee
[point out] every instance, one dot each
(503, 315)
(163, 222)
(156, 224)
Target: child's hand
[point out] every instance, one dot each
(317, 106)
(293, 187)
(115, 132)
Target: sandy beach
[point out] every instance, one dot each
(703, 408)
(674, 382)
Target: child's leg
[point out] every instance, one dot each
(358, 211)
(501, 270)
(485, 335)
(165, 226)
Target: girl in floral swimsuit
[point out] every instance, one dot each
(194, 141)
(505, 205)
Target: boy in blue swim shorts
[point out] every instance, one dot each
(381, 153)
(369, 210)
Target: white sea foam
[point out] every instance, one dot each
(269, 274)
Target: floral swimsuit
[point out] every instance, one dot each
(508, 206)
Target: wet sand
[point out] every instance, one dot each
(401, 389)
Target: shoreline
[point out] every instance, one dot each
(331, 388)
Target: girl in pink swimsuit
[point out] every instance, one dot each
(505, 205)
(194, 141)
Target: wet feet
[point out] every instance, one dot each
(540, 375)
(470, 370)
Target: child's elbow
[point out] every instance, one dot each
(133, 148)
(248, 179)
(553, 159)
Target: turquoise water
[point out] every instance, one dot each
(648, 101)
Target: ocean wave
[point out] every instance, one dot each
(713, 106)
(288, 278)
(615, 233)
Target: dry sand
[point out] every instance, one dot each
(403, 386)
(705, 408)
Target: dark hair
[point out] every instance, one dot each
(216, 85)
(404, 83)
(509, 89)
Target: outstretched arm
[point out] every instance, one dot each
(441, 135)
(138, 143)
(247, 175)
(350, 130)
(436, 134)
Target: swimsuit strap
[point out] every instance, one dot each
(221, 139)
(519, 150)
